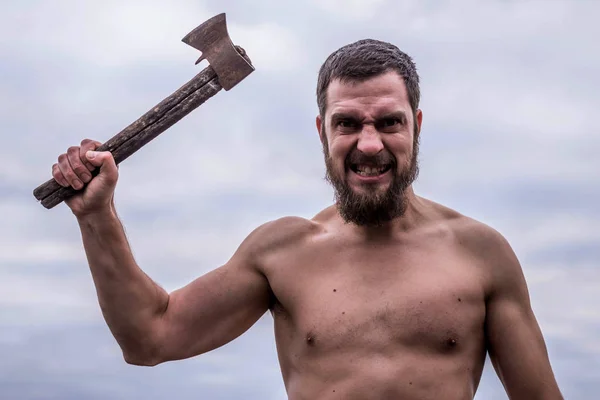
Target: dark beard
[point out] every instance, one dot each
(374, 208)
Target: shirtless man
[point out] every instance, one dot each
(383, 295)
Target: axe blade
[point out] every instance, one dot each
(230, 62)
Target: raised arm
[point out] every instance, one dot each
(215, 308)
(150, 325)
(515, 342)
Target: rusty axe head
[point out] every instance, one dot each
(229, 62)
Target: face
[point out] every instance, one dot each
(370, 144)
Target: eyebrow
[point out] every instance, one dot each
(344, 115)
(338, 116)
(401, 115)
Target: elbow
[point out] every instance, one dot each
(140, 361)
(142, 358)
(142, 349)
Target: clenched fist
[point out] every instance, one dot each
(74, 169)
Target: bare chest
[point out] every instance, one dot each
(430, 301)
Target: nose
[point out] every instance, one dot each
(369, 141)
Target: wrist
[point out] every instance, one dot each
(97, 215)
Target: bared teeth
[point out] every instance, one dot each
(369, 171)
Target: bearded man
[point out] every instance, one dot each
(382, 295)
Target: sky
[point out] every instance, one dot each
(510, 134)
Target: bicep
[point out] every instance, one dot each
(515, 342)
(212, 310)
(517, 349)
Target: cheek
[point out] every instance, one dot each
(339, 151)
(402, 149)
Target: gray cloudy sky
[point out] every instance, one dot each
(510, 134)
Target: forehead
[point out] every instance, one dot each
(383, 93)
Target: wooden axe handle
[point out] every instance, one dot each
(157, 120)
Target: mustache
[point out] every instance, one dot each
(380, 159)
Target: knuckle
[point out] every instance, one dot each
(65, 169)
(76, 165)
(74, 156)
(80, 169)
(73, 150)
(89, 144)
(68, 174)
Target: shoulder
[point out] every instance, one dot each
(472, 235)
(480, 238)
(491, 250)
(483, 245)
(278, 235)
(466, 231)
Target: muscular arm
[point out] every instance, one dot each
(515, 342)
(152, 326)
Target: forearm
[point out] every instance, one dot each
(130, 301)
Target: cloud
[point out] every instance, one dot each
(509, 138)
(273, 48)
(351, 9)
(32, 369)
(107, 35)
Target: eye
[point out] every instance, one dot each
(346, 124)
(388, 124)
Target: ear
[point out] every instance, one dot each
(319, 122)
(419, 121)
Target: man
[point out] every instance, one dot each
(383, 295)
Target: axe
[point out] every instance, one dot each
(228, 66)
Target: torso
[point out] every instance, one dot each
(400, 318)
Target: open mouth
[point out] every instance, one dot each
(366, 170)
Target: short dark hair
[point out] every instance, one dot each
(365, 59)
